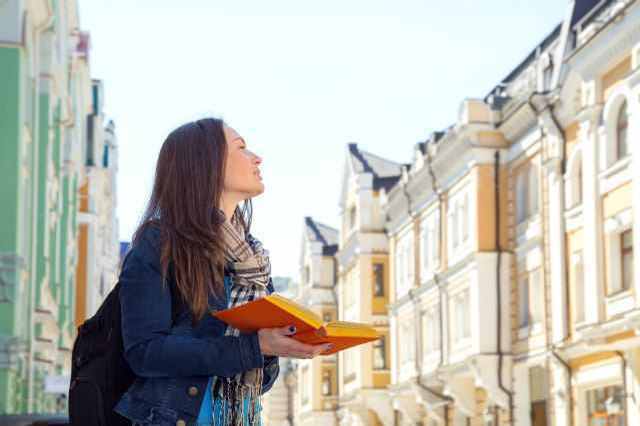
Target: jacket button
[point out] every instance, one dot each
(181, 423)
(193, 391)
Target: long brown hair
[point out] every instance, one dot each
(184, 204)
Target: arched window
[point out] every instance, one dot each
(621, 132)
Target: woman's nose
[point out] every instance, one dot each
(257, 158)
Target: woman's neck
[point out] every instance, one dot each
(228, 206)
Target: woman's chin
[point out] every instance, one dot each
(258, 190)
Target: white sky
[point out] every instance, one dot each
(298, 79)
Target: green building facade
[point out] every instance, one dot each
(45, 99)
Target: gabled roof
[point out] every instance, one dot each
(325, 234)
(385, 172)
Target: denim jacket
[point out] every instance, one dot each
(174, 360)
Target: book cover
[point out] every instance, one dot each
(278, 311)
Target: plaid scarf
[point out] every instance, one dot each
(247, 263)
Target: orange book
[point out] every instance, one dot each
(278, 311)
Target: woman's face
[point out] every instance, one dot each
(242, 175)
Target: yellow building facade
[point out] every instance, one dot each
(363, 287)
(499, 263)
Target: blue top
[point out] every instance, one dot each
(209, 410)
(206, 408)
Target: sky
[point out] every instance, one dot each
(299, 80)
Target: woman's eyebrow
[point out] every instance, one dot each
(239, 138)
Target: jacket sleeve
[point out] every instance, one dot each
(271, 368)
(150, 348)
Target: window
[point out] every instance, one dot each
(378, 280)
(326, 316)
(605, 406)
(458, 221)
(351, 288)
(430, 244)
(523, 302)
(304, 385)
(539, 394)
(621, 132)
(326, 383)
(352, 217)
(404, 264)
(307, 275)
(464, 213)
(461, 321)
(380, 354)
(626, 245)
(574, 183)
(431, 329)
(526, 192)
(349, 357)
(407, 342)
(531, 299)
(577, 278)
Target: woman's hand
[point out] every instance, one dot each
(277, 341)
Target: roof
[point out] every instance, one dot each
(325, 234)
(586, 9)
(513, 75)
(385, 172)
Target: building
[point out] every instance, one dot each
(317, 380)
(279, 404)
(509, 242)
(363, 286)
(512, 240)
(98, 244)
(46, 97)
(442, 233)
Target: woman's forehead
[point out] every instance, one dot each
(230, 133)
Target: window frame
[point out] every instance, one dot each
(622, 131)
(461, 316)
(326, 374)
(431, 330)
(380, 344)
(378, 279)
(429, 244)
(527, 189)
(626, 251)
(535, 305)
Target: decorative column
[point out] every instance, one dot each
(592, 214)
(557, 239)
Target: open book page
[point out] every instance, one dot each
(349, 329)
(270, 312)
(341, 334)
(298, 310)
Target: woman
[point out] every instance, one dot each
(193, 254)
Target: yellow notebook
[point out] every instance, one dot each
(278, 311)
